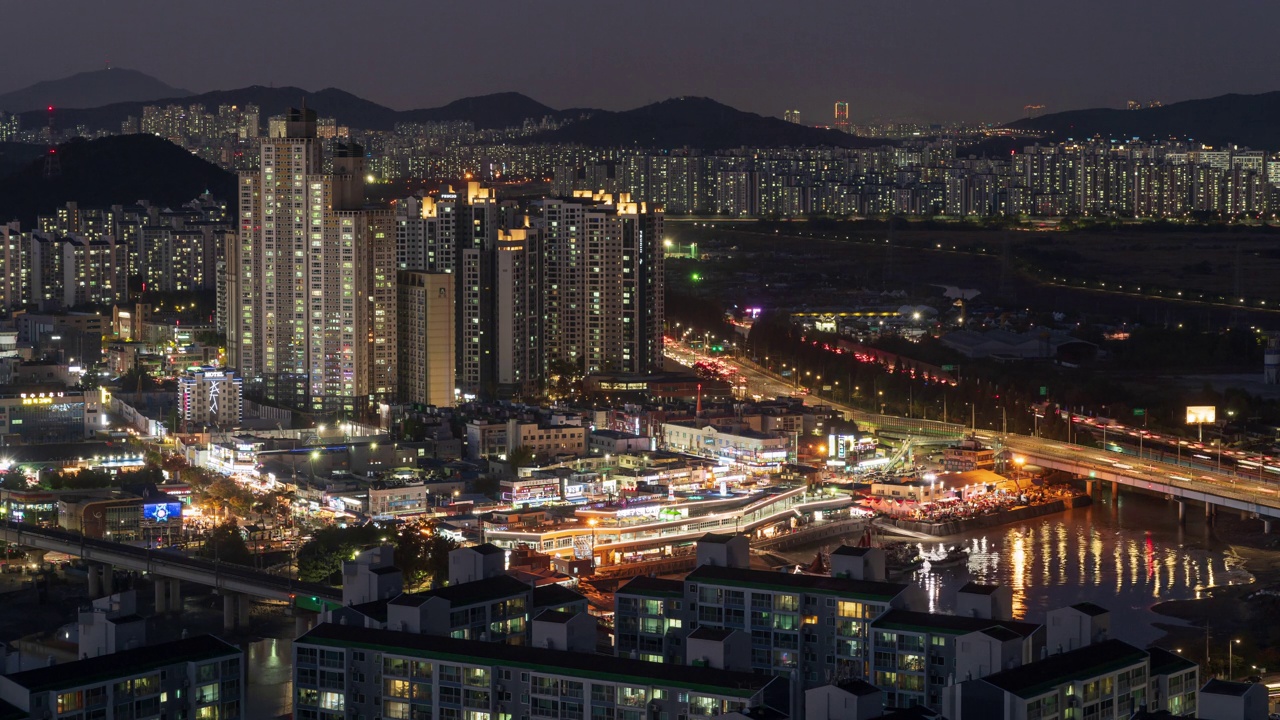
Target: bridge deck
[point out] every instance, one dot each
(223, 576)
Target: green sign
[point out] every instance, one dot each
(1139, 412)
(1044, 390)
(948, 368)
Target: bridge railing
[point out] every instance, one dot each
(161, 558)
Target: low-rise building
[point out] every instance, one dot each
(547, 441)
(968, 455)
(740, 445)
(47, 414)
(616, 442)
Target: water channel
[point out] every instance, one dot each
(1124, 555)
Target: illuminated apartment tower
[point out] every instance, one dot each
(842, 117)
(311, 278)
(601, 282)
(463, 233)
(791, 116)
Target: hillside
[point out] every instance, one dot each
(1240, 119)
(113, 170)
(698, 123)
(87, 90)
(487, 111)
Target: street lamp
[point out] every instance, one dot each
(1231, 655)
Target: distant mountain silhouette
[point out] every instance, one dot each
(88, 90)
(1240, 119)
(680, 122)
(499, 110)
(113, 170)
(487, 111)
(695, 122)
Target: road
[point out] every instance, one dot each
(1220, 488)
(1196, 482)
(223, 576)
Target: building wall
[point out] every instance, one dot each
(427, 337)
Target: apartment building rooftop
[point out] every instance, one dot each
(770, 580)
(912, 621)
(126, 662)
(1037, 678)
(605, 667)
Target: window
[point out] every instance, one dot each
(395, 667)
(703, 706)
(333, 701)
(207, 693)
(395, 687)
(70, 701)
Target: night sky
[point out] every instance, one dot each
(901, 59)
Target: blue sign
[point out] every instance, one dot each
(162, 512)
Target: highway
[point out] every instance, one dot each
(1186, 481)
(223, 576)
(1220, 489)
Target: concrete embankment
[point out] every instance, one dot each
(955, 527)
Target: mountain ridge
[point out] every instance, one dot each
(92, 88)
(1236, 118)
(695, 122)
(140, 167)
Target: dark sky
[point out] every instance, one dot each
(905, 59)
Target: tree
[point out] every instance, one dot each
(422, 555)
(321, 558)
(226, 544)
(520, 457)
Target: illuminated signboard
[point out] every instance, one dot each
(1201, 414)
(40, 398)
(162, 512)
(842, 447)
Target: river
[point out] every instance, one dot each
(1125, 556)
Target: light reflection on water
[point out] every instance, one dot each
(1125, 558)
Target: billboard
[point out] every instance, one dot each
(1201, 414)
(162, 512)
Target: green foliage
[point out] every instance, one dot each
(83, 480)
(136, 379)
(521, 457)
(420, 553)
(226, 544)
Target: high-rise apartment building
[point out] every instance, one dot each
(312, 277)
(463, 233)
(842, 116)
(425, 318)
(791, 116)
(601, 282)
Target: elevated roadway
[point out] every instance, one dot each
(1185, 482)
(227, 579)
(1215, 490)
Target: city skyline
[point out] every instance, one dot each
(743, 54)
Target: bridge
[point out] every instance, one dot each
(236, 584)
(1184, 482)
(1215, 490)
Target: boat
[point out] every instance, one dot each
(901, 559)
(955, 557)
